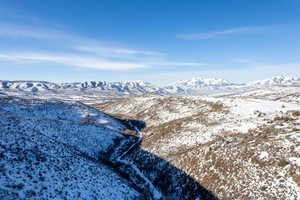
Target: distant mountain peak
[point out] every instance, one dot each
(199, 81)
(199, 85)
(276, 80)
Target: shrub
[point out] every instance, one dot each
(263, 188)
(296, 113)
(217, 107)
(283, 163)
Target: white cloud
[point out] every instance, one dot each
(101, 50)
(21, 31)
(214, 34)
(71, 60)
(120, 53)
(174, 64)
(79, 51)
(83, 61)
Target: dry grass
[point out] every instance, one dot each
(296, 113)
(130, 132)
(296, 178)
(217, 106)
(284, 118)
(163, 131)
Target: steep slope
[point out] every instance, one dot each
(48, 154)
(240, 146)
(37, 166)
(53, 149)
(58, 110)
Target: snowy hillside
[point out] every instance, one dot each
(53, 149)
(48, 151)
(242, 145)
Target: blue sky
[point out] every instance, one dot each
(157, 41)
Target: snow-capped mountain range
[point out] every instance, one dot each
(199, 85)
(277, 80)
(125, 87)
(193, 86)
